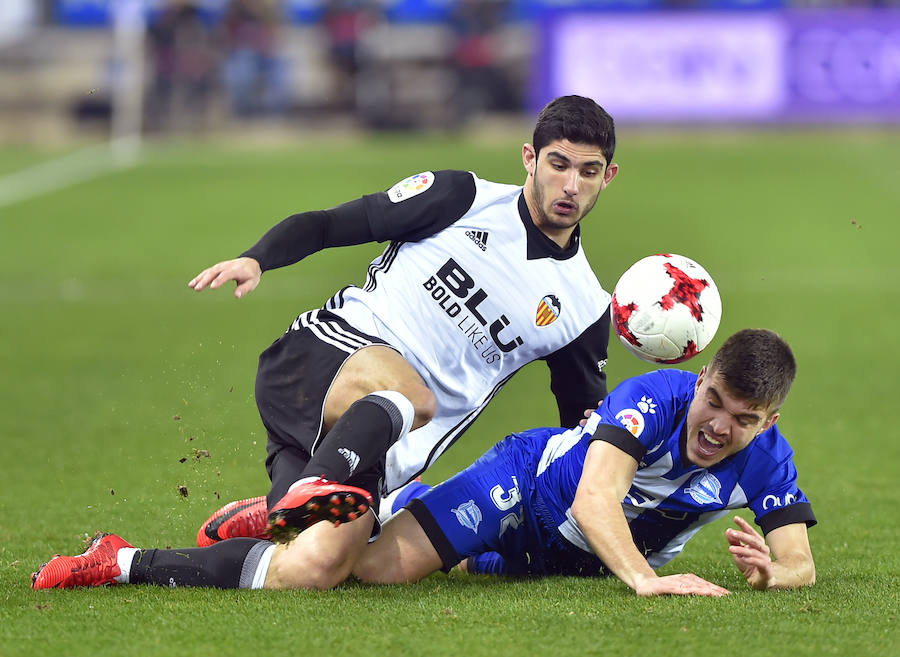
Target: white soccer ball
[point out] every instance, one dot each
(666, 308)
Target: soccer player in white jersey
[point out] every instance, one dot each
(663, 455)
(362, 395)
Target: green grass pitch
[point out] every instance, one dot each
(118, 385)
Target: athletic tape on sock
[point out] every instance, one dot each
(259, 555)
(398, 407)
(262, 568)
(124, 557)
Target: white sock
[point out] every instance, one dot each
(124, 557)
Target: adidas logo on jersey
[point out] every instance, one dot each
(479, 237)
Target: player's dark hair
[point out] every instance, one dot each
(756, 365)
(578, 119)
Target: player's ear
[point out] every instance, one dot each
(700, 378)
(769, 422)
(529, 158)
(611, 170)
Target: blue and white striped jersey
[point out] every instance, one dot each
(670, 499)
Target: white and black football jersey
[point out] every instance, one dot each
(469, 291)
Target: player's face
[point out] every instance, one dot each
(563, 183)
(719, 423)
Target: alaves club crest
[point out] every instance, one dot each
(469, 515)
(704, 487)
(547, 311)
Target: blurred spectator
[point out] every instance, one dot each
(255, 76)
(183, 66)
(482, 81)
(345, 23)
(17, 17)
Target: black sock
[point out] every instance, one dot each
(230, 564)
(358, 440)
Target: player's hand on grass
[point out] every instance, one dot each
(245, 272)
(683, 584)
(751, 554)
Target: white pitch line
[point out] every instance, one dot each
(82, 165)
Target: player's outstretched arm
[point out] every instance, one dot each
(606, 478)
(245, 272)
(784, 562)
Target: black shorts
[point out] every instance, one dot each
(294, 376)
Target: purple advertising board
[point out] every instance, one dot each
(845, 64)
(764, 66)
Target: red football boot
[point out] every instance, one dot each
(96, 566)
(314, 500)
(247, 517)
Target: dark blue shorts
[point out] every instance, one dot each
(480, 509)
(492, 511)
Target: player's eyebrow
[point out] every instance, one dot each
(749, 417)
(567, 160)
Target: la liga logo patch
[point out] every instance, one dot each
(547, 311)
(632, 420)
(410, 186)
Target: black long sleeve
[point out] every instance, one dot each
(372, 218)
(577, 379)
(305, 233)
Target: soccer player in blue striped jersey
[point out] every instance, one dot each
(664, 454)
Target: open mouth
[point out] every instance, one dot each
(707, 445)
(565, 207)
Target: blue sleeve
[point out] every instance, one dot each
(770, 481)
(646, 406)
(487, 563)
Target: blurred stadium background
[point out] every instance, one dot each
(79, 69)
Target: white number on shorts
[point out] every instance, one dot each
(505, 500)
(512, 498)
